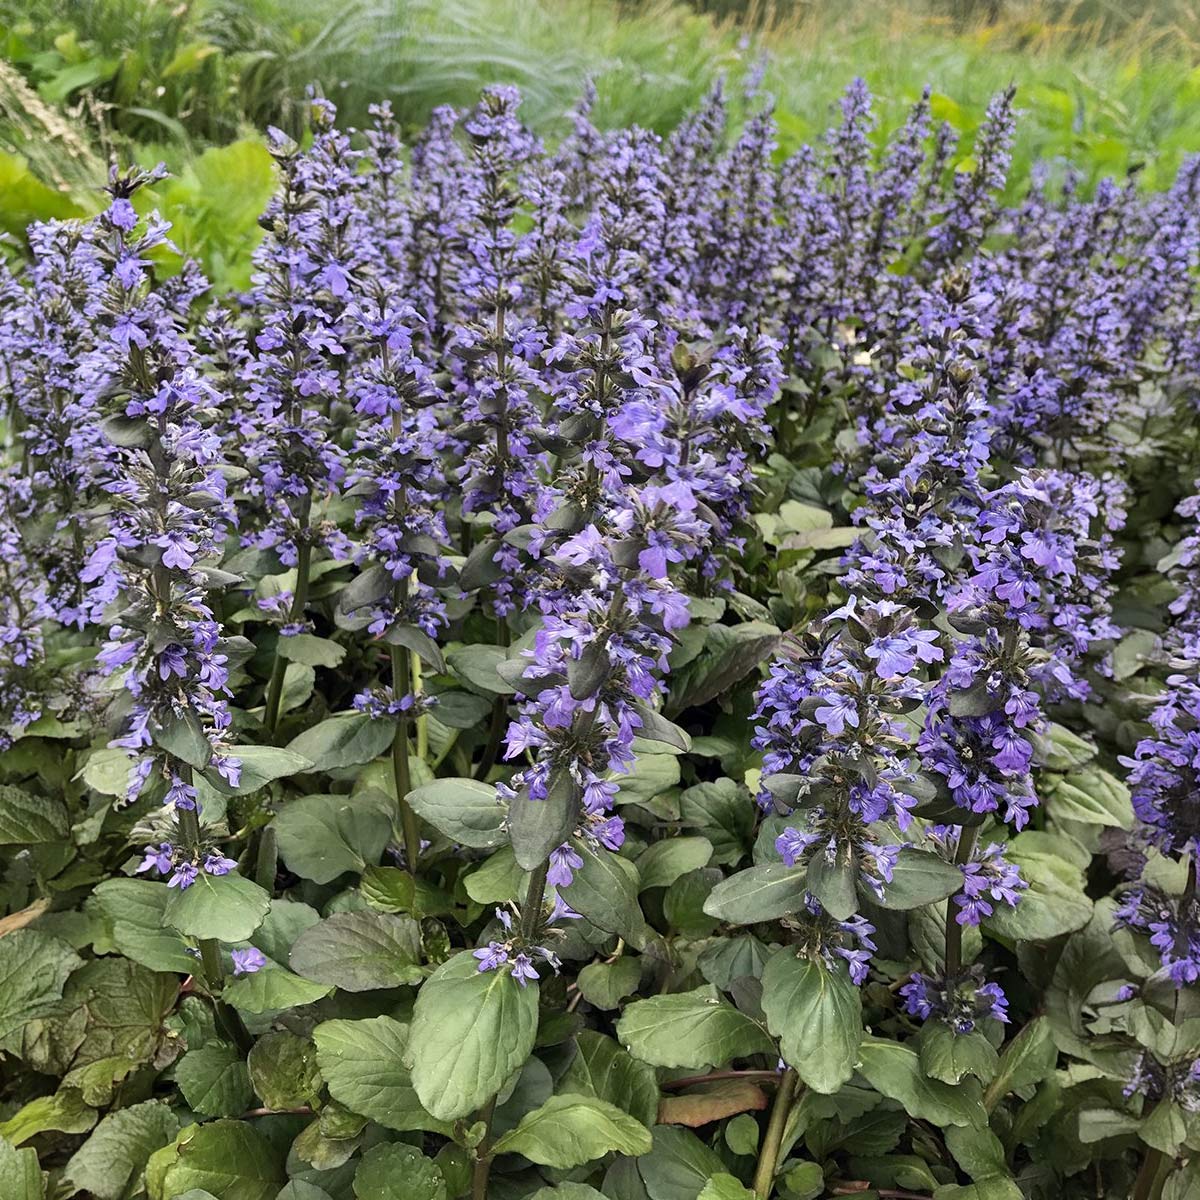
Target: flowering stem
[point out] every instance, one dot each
(768, 1157)
(210, 948)
(531, 908)
(1145, 1187)
(483, 1154)
(499, 719)
(295, 613)
(422, 724)
(967, 837)
(400, 773)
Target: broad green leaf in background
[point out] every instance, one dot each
(27, 820)
(895, 1070)
(33, 969)
(214, 1081)
(134, 909)
(117, 1151)
(605, 890)
(360, 951)
(362, 1063)
(320, 837)
(20, 1175)
(602, 1069)
(757, 894)
(397, 1172)
(346, 740)
(272, 989)
(690, 1029)
(465, 810)
(568, 1131)
(679, 1165)
(231, 1159)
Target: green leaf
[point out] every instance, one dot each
(948, 1056)
(1093, 796)
(650, 777)
(602, 1069)
(679, 1165)
(723, 813)
(471, 1030)
(1061, 750)
(283, 1070)
(345, 740)
(1027, 1060)
(476, 667)
(499, 878)
(214, 1081)
(134, 909)
(362, 1063)
(359, 951)
(33, 969)
(725, 1187)
(605, 890)
(107, 771)
(895, 1070)
(690, 1029)
(309, 650)
(231, 1159)
(817, 1015)
(27, 820)
(64, 1112)
(538, 826)
(660, 864)
(184, 737)
(978, 1151)
(125, 1006)
(804, 1181)
(730, 653)
(834, 884)
(569, 1191)
(604, 985)
(320, 837)
(568, 1131)
(20, 1175)
(272, 989)
(118, 1149)
(758, 894)
(466, 811)
(260, 766)
(393, 1171)
(919, 877)
(1054, 903)
(226, 907)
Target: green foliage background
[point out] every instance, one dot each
(194, 84)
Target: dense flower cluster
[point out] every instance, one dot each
(535, 505)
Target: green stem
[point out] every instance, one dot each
(1145, 1187)
(279, 667)
(491, 751)
(400, 773)
(483, 1154)
(967, 837)
(768, 1156)
(531, 908)
(210, 948)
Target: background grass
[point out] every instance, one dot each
(1107, 86)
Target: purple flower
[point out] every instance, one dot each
(246, 962)
(563, 863)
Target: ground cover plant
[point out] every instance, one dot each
(631, 668)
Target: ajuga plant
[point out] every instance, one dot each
(630, 667)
